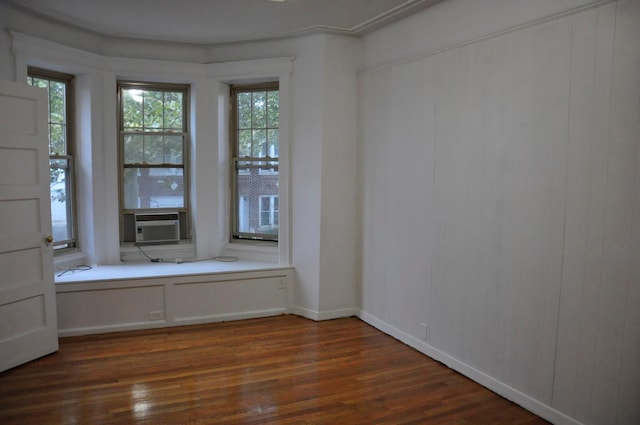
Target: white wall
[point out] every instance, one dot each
(6, 66)
(501, 184)
(338, 233)
(323, 179)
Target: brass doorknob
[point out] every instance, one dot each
(49, 239)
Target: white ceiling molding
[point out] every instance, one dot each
(210, 22)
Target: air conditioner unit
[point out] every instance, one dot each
(157, 227)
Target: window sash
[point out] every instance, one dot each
(160, 131)
(251, 160)
(64, 122)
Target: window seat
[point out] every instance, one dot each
(130, 296)
(145, 270)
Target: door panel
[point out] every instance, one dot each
(28, 324)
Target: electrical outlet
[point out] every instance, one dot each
(156, 315)
(424, 331)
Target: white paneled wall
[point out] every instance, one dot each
(589, 128)
(501, 207)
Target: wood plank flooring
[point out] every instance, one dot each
(277, 370)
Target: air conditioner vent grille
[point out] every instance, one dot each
(157, 228)
(157, 217)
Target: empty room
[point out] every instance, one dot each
(320, 212)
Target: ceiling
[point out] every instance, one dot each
(222, 21)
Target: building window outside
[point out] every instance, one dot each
(269, 210)
(255, 159)
(153, 135)
(59, 88)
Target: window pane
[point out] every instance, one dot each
(243, 214)
(259, 115)
(57, 102)
(57, 143)
(132, 109)
(133, 145)
(264, 218)
(173, 111)
(153, 110)
(60, 200)
(259, 143)
(173, 149)
(244, 143)
(256, 199)
(273, 109)
(153, 188)
(40, 82)
(153, 149)
(275, 210)
(244, 110)
(273, 143)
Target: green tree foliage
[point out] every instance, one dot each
(258, 121)
(147, 112)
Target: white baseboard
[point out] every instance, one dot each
(323, 315)
(487, 381)
(303, 312)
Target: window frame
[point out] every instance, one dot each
(274, 163)
(67, 245)
(127, 214)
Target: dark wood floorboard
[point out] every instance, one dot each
(277, 370)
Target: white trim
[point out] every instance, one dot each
(431, 52)
(248, 69)
(323, 315)
(487, 381)
(338, 314)
(304, 312)
(388, 16)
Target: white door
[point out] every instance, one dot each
(28, 324)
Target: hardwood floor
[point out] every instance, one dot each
(277, 370)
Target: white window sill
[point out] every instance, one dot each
(145, 270)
